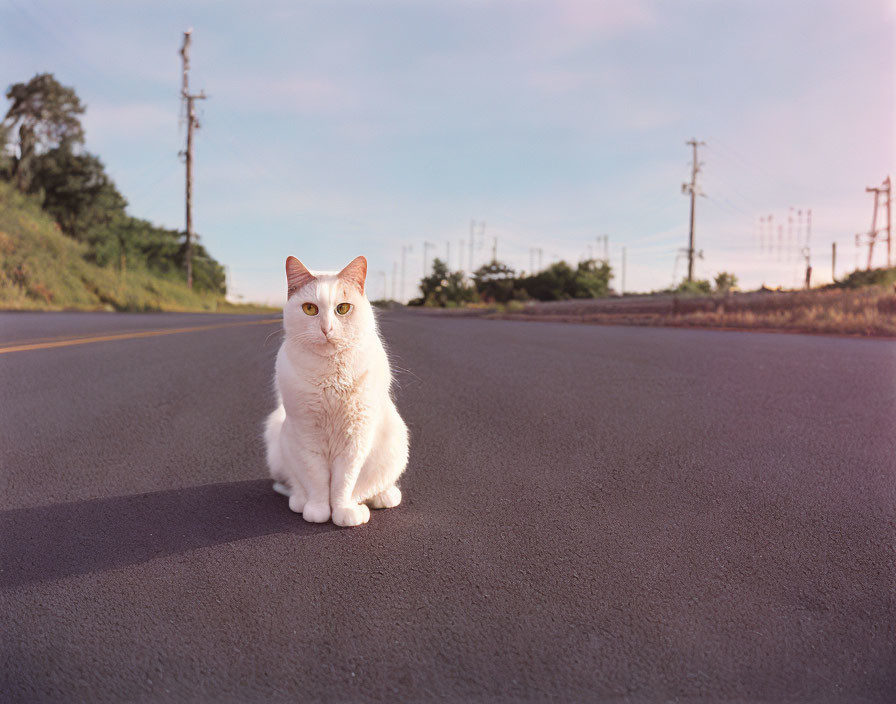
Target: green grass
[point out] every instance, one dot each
(42, 269)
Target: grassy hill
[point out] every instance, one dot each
(42, 269)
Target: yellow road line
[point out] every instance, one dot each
(128, 336)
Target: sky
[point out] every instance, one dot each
(347, 127)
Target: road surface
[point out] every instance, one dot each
(591, 513)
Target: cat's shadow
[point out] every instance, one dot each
(62, 540)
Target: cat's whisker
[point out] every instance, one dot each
(276, 332)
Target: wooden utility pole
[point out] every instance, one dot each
(404, 255)
(192, 124)
(889, 219)
(426, 247)
(472, 237)
(693, 190)
(622, 287)
(872, 235)
(834, 262)
(807, 254)
(885, 191)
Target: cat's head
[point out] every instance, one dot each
(327, 311)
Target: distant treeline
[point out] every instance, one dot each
(41, 154)
(496, 282)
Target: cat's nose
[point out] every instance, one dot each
(326, 330)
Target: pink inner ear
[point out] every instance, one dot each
(355, 273)
(297, 275)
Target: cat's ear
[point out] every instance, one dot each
(355, 273)
(297, 275)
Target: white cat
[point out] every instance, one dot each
(336, 443)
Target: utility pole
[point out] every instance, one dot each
(789, 233)
(384, 284)
(540, 255)
(394, 279)
(472, 237)
(426, 247)
(834, 262)
(809, 227)
(622, 286)
(887, 202)
(448, 255)
(404, 255)
(605, 239)
(693, 190)
(872, 235)
(192, 124)
(494, 249)
(808, 255)
(885, 191)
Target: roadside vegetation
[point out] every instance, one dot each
(867, 311)
(497, 283)
(66, 238)
(41, 268)
(863, 303)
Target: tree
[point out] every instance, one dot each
(699, 287)
(495, 281)
(725, 282)
(43, 115)
(77, 192)
(592, 279)
(444, 287)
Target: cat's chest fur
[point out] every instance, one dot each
(330, 401)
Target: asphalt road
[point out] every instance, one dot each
(591, 513)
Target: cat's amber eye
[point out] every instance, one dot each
(343, 308)
(309, 308)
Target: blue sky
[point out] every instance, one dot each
(340, 128)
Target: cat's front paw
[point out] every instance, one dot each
(352, 515)
(390, 498)
(316, 513)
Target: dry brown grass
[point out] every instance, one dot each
(869, 311)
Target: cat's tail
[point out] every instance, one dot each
(272, 428)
